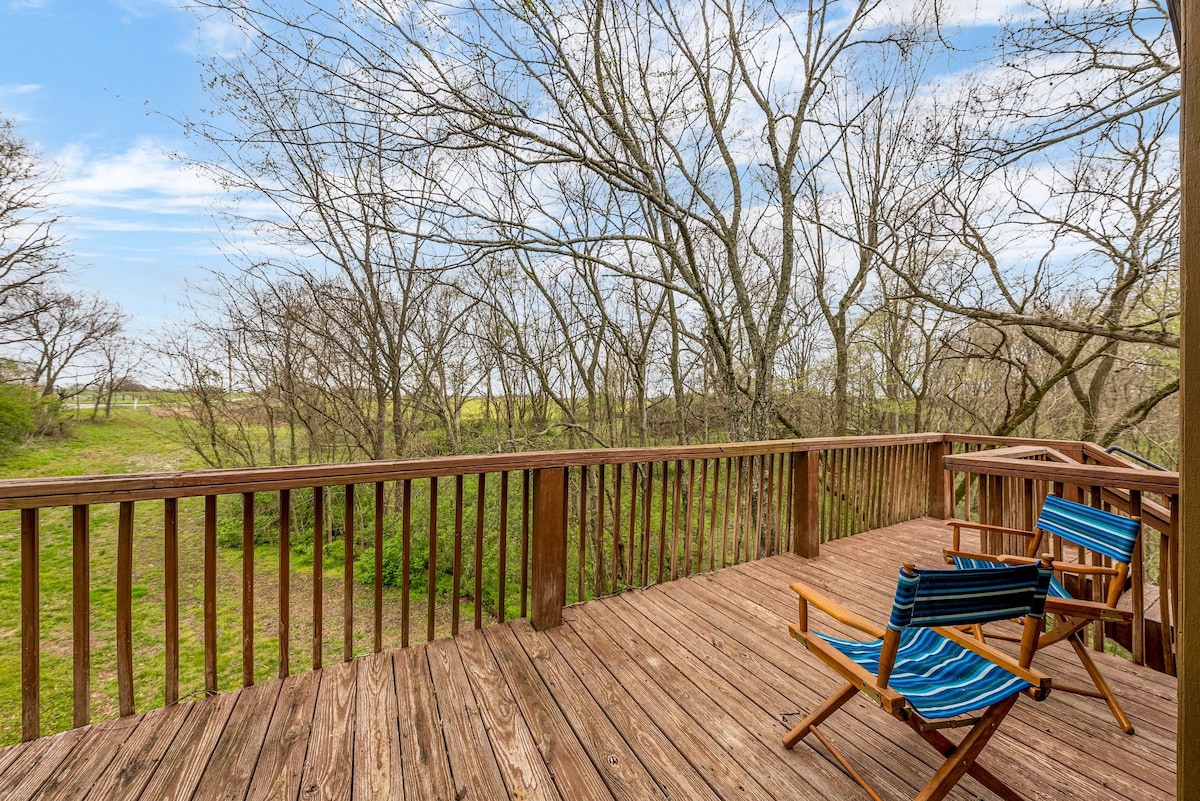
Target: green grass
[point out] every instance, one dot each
(137, 441)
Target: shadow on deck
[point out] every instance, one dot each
(680, 691)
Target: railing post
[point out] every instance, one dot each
(548, 594)
(806, 539)
(941, 490)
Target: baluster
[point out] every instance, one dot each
(31, 633)
(480, 497)
(524, 543)
(378, 567)
(348, 535)
(285, 575)
(501, 604)
(458, 547)
(247, 589)
(629, 552)
(616, 537)
(81, 622)
(318, 575)
(583, 531)
(432, 574)
(210, 594)
(125, 608)
(171, 599)
(647, 503)
(406, 558)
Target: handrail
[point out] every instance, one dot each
(26, 493)
(470, 539)
(1137, 457)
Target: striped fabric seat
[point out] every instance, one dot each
(1094, 529)
(938, 678)
(916, 670)
(1055, 590)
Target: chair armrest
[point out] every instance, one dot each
(1000, 559)
(957, 523)
(1039, 680)
(836, 610)
(1081, 570)
(1096, 610)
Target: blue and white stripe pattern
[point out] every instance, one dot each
(1055, 590)
(938, 677)
(1094, 529)
(964, 597)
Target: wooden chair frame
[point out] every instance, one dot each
(960, 758)
(1071, 615)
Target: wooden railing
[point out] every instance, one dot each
(464, 541)
(1003, 481)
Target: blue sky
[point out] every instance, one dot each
(94, 85)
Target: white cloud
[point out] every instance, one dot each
(215, 36)
(8, 89)
(144, 179)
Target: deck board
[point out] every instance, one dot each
(678, 691)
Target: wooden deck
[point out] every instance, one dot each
(682, 691)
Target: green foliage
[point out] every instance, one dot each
(17, 415)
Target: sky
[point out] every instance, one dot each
(97, 87)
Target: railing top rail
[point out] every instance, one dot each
(1079, 474)
(65, 491)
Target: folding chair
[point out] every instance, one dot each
(1092, 530)
(928, 675)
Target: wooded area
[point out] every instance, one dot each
(498, 226)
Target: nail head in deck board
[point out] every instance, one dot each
(549, 547)
(623, 771)
(522, 763)
(281, 761)
(185, 761)
(422, 748)
(327, 767)
(377, 769)
(473, 770)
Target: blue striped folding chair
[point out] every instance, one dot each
(927, 674)
(1097, 588)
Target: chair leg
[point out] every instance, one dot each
(960, 760)
(945, 746)
(1101, 684)
(830, 705)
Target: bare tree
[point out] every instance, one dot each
(61, 330)
(30, 243)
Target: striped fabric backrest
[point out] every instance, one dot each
(1094, 529)
(962, 597)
